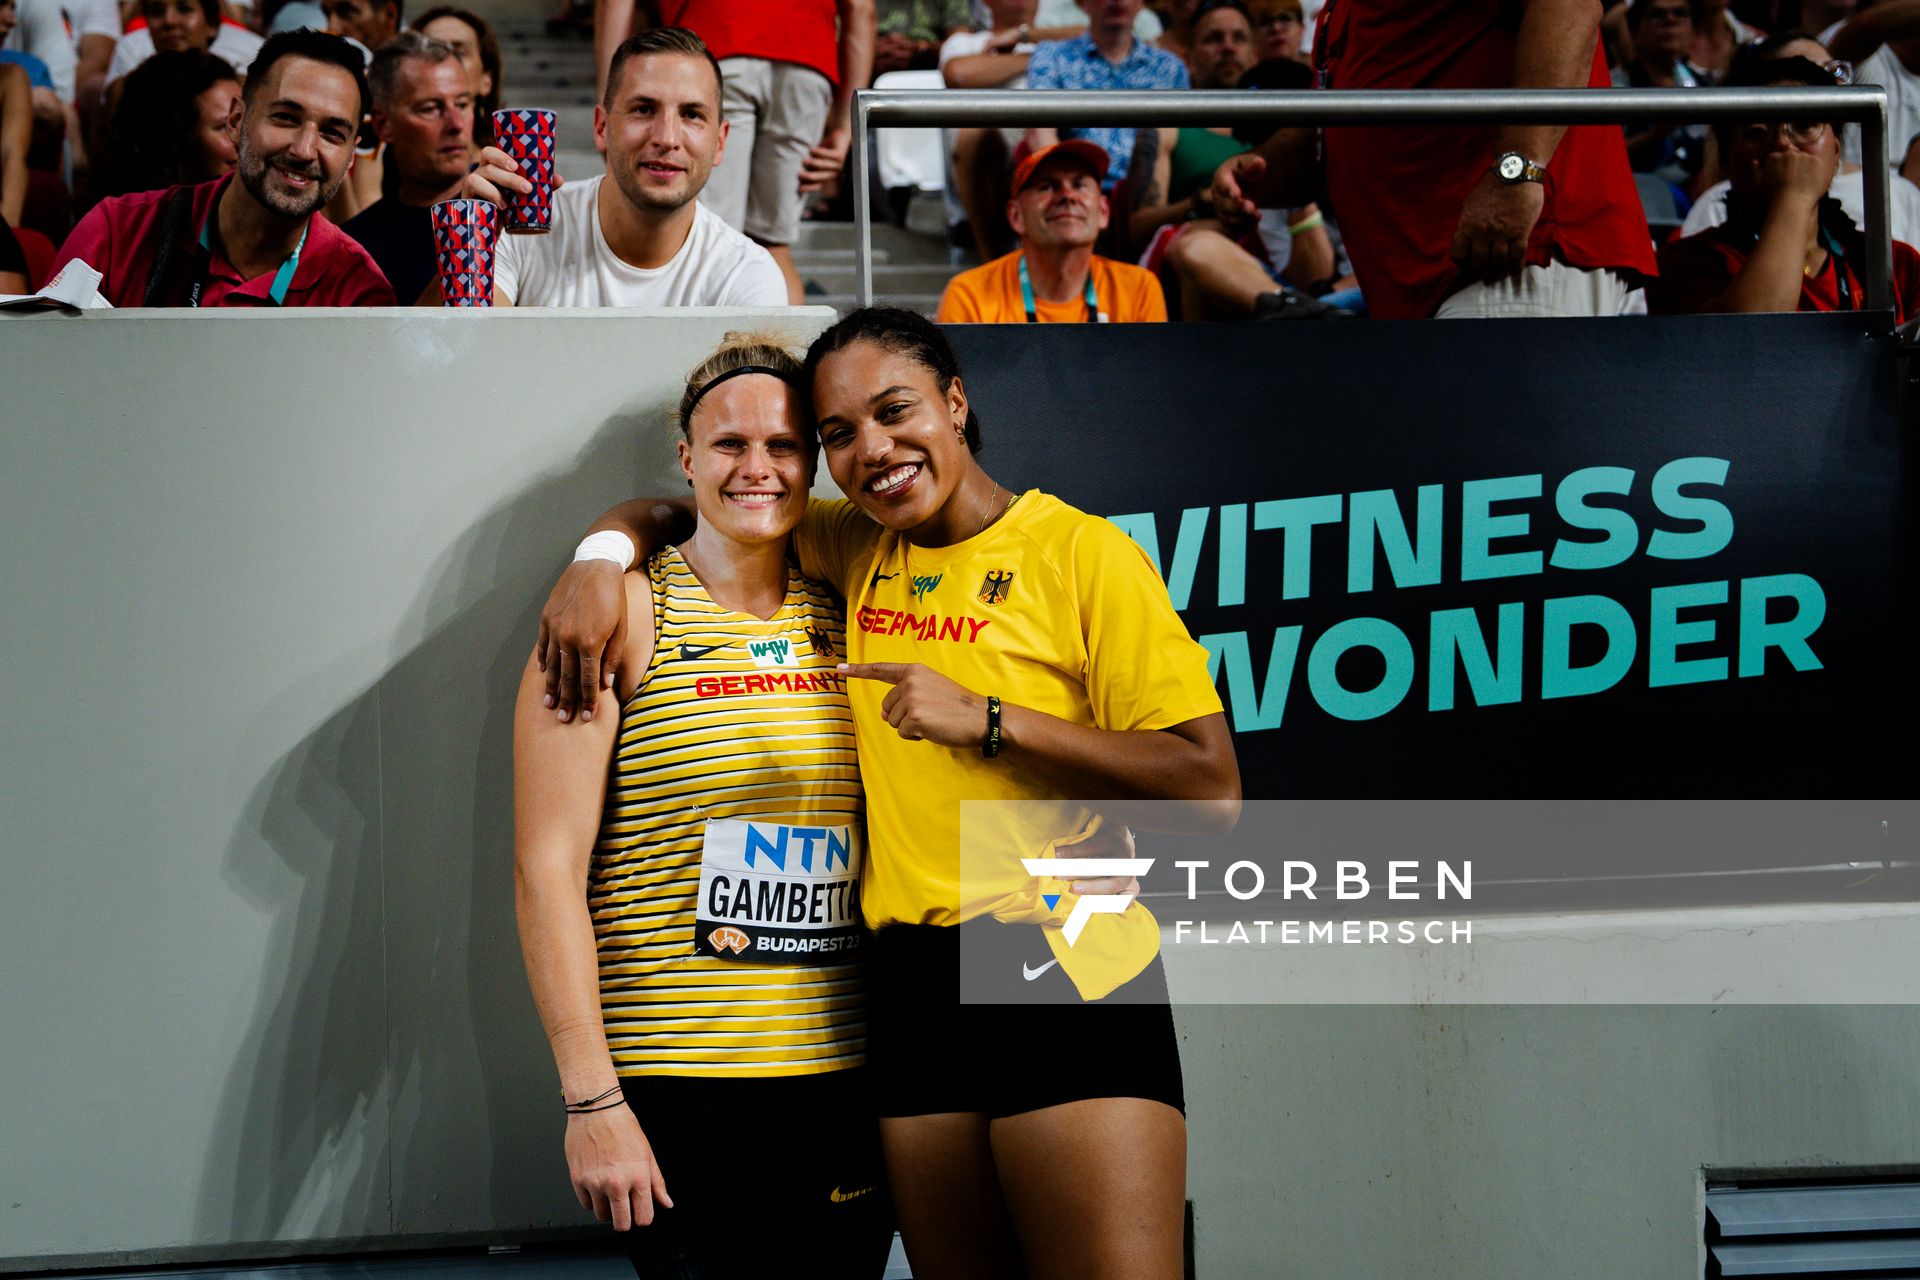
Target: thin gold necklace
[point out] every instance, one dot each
(986, 511)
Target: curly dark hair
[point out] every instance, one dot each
(151, 140)
(904, 333)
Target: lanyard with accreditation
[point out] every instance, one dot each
(203, 264)
(1094, 314)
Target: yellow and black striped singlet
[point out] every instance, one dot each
(708, 734)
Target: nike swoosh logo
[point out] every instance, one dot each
(1030, 974)
(697, 651)
(841, 1197)
(879, 578)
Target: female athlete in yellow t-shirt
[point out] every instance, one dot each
(1004, 647)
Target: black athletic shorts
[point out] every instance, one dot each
(772, 1177)
(928, 1053)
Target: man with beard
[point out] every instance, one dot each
(423, 112)
(1054, 277)
(254, 237)
(636, 236)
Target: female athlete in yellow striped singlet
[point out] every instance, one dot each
(687, 880)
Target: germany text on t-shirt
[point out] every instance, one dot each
(1050, 609)
(572, 265)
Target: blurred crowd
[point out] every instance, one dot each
(288, 152)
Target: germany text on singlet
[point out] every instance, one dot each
(739, 743)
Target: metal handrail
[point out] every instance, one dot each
(1857, 104)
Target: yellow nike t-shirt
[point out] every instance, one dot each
(1048, 608)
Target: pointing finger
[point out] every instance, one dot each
(890, 672)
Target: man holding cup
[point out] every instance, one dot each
(256, 236)
(423, 113)
(635, 236)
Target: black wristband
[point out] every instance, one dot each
(991, 747)
(587, 1104)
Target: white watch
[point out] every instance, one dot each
(1512, 168)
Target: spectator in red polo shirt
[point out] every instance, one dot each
(1786, 244)
(259, 240)
(1466, 220)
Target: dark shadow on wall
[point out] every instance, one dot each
(300, 1147)
(477, 1107)
(394, 1080)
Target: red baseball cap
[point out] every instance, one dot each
(1095, 157)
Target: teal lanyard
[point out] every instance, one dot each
(1094, 314)
(282, 279)
(1838, 262)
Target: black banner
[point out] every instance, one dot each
(1654, 557)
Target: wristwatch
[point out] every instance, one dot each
(1513, 168)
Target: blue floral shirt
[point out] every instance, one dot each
(1077, 64)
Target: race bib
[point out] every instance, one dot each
(778, 892)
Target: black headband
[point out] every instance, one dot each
(713, 382)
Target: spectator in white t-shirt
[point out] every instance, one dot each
(1883, 43)
(39, 28)
(96, 34)
(636, 236)
(184, 24)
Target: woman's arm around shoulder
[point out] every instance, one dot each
(583, 637)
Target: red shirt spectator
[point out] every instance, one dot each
(1786, 244)
(119, 240)
(1698, 269)
(1399, 192)
(777, 30)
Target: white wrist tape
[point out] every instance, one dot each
(608, 544)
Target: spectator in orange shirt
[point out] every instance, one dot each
(1058, 211)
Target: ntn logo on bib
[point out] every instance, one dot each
(788, 890)
(772, 842)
